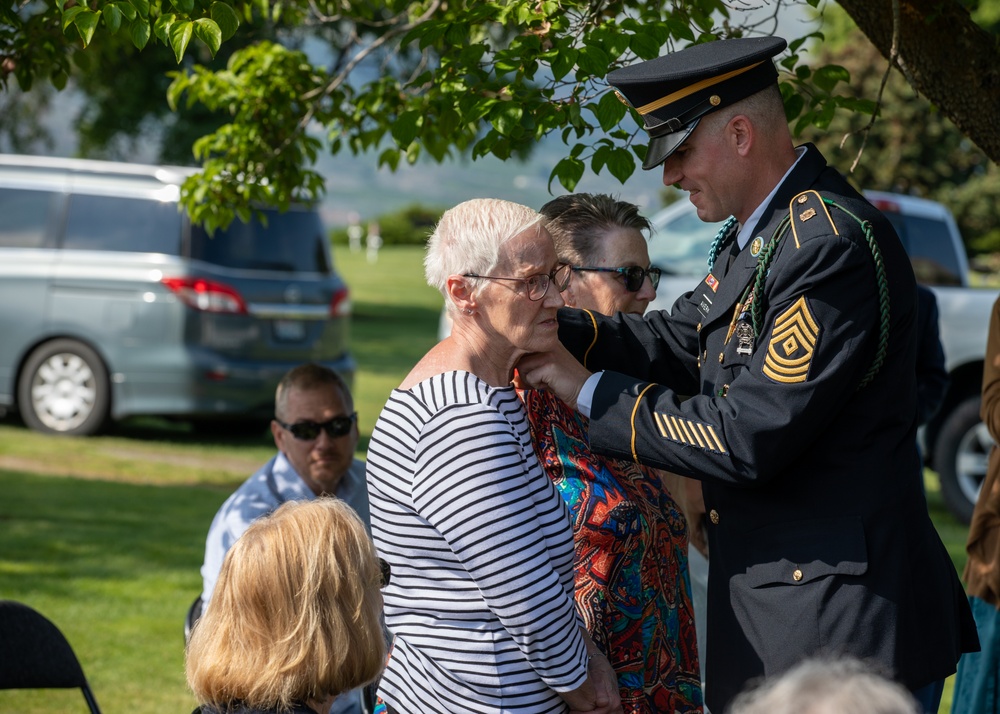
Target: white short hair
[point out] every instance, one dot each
(469, 236)
(828, 685)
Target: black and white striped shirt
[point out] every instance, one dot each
(481, 548)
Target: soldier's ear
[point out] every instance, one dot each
(740, 132)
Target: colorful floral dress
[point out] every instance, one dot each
(632, 585)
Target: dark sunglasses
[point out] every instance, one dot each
(634, 275)
(309, 430)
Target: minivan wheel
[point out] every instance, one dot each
(960, 458)
(63, 389)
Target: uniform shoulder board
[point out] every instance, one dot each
(810, 217)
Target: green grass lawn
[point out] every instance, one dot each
(105, 535)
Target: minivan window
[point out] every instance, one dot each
(293, 242)
(122, 224)
(25, 217)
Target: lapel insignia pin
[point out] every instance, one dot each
(807, 214)
(756, 246)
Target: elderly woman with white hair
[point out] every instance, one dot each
(479, 541)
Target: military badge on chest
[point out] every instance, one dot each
(744, 338)
(741, 328)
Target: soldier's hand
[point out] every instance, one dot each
(557, 371)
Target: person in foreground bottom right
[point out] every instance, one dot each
(977, 684)
(828, 686)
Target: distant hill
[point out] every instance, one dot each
(357, 185)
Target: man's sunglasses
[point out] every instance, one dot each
(309, 430)
(634, 275)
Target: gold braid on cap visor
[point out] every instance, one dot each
(688, 91)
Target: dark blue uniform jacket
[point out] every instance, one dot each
(818, 531)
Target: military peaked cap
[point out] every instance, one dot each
(673, 92)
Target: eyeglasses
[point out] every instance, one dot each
(309, 430)
(634, 275)
(536, 285)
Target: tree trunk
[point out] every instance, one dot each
(946, 56)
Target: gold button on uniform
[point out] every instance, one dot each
(722, 357)
(713, 516)
(796, 575)
(698, 328)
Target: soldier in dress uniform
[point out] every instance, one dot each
(799, 347)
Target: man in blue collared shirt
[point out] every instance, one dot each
(316, 431)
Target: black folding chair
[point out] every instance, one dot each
(193, 613)
(34, 654)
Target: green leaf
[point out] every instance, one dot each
(593, 62)
(226, 18)
(59, 78)
(563, 61)
(141, 6)
(112, 17)
(448, 121)
(405, 128)
(861, 106)
(621, 164)
(186, 7)
(644, 46)
(180, 36)
(826, 78)
(794, 104)
(825, 116)
(127, 10)
(86, 23)
(162, 27)
(568, 172)
(69, 16)
(507, 118)
(390, 158)
(140, 33)
(610, 110)
(208, 32)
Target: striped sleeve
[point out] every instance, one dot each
(472, 485)
(481, 597)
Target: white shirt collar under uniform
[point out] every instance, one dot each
(747, 229)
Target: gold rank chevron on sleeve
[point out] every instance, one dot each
(686, 431)
(792, 344)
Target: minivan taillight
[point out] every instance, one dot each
(885, 205)
(206, 295)
(340, 303)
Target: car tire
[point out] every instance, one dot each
(64, 389)
(960, 457)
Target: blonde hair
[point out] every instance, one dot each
(469, 236)
(295, 615)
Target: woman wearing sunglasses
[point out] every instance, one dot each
(631, 538)
(479, 541)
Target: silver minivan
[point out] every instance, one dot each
(112, 304)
